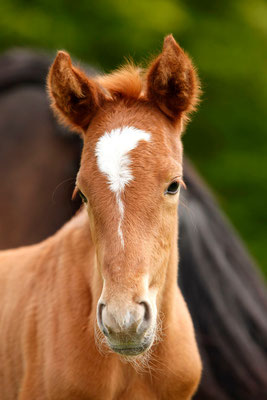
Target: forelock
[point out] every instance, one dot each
(128, 81)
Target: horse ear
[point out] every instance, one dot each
(75, 98)
(172, 82)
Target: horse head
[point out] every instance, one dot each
(130, 175)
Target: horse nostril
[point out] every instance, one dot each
(148, 313)
(101, 306)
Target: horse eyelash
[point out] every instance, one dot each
(180, 180)
(75, 193)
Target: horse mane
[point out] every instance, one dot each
(127, 81)
(226, 297)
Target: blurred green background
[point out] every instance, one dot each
(227, 138)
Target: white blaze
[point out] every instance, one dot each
(113, 160)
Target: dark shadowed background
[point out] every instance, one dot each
(227, 138)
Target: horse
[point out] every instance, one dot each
(95, 311)
(231, 326)
(226, 297)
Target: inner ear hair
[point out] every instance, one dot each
(172, 81)
(75, 97)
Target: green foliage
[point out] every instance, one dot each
(227, 40)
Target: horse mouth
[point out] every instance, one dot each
(129, 350)
(127, 347)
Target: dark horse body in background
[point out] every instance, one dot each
(225, 295)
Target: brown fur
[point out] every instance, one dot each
(172, 82)
(49, 292)
(127, 81)
(75, 98)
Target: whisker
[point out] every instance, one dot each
(59, 185)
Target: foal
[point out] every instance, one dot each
(84, 309)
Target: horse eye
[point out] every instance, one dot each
(173, 188)
(82, 196)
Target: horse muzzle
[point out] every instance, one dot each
(129, 332)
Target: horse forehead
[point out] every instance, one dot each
(113, 158)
